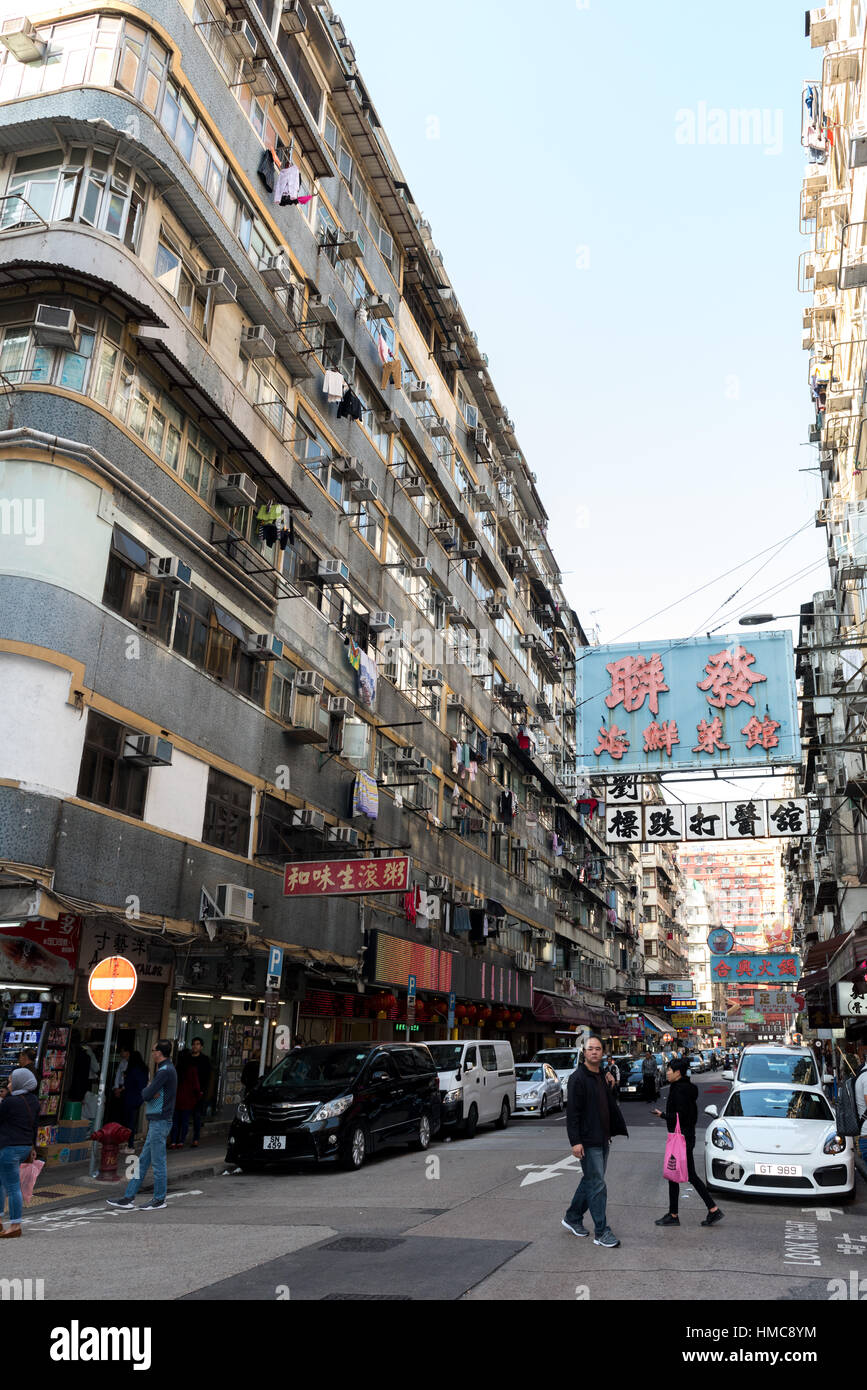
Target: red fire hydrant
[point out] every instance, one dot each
(111, 1137)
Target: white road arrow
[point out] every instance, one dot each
(540, 1172)
(824, 1213)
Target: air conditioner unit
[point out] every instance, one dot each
(277, 272)
(266, 646)
(528, 642)
(390, 423)
(408, 758)
(481, 440)
(337, 571)
(424, 797)
(343, 835)
(459, 617)
(244, 35)
(532, 784)
(421, 392)
(498, 827)
(256, 341)
(413, 485)
(55, 327)
(440, 429)
(235, 902)
(237, 490)
(438, 883)
(420, 565)
(381, 621)
(341, 705)
(514, 552)
(456, 702)
(823, 25)
(174, 571)
(496, 611)
(470, 550)
(293, 20)
(261, 77)
(365, 490)
(483, 501)
(511, 691)
(352, 248)
(465, 897)
(221, 285)
(382, 307)
(147, 750)
(309, 683)
(432, 679)
(349, 467)
(308, 820)
(19, 36)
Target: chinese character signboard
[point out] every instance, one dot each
(341, 877)
(717, 702)
(711, 820)
(738, 968)
(40, 951)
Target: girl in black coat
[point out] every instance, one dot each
(683, 1105)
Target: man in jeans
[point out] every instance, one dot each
(159, 1099)
(592, 1119)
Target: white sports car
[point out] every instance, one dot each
(778, 1140)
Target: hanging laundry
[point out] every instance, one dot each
(268, 169)
(461, 919)
(588, 805)
(365, 796)
(385, 354)
(287, 184)
(350, 406)
(398, 800)
(366, 680)
(410, 904)
(333, 386)
(270, 533)
(353, 654)
(474, 768)
(391, 373)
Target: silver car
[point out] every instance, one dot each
(538, 1089)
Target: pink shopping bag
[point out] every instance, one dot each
(675, 1168)
(28, 1173)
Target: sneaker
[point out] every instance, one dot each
(154, 1205)
(608, 1240)
(121, 1203)
(579, 1230)
(712, 1218)
(668, 1220)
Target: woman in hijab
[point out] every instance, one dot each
(19, 1116)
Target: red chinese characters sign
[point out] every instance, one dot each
(345, 877)
(40, 951)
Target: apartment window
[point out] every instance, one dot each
(105, 778)
(131, 592)
(300, 69)
(181, 281)
(227, 813)
(275, 829)
(83, 185)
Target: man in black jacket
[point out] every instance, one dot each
(683, 1105)
(593, 1118)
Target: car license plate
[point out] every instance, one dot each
(630, 1088)
(274, 1141)
(779, 1170)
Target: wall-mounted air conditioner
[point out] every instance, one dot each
(421, 392)
(336, 571)
(496, 611)
(19, 36)
(235, 902)
(257, 342)
(408, 758)
(237, 490)
(309, 683)
(456, 702)
(352, 248)
(421, 565)
(308, 820)
(277, 272)
(221, 285)
(242, 31)
(341, 705)
(56, 327)
(265, 645)
(471, 550)
(365, 490)
(348, 467)
(381, 307)
(389, 423)
(174, 571)
(343, 835)
(261, 77)
(482, 501)
(380, 621)
(293, 20)
(147, 750)
(438, 883)
(413, 485)
(432, 678)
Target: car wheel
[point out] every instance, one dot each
(422, 1139)
(505, 1115)
(471, 1123)
(543, 1108)
(356, 1148)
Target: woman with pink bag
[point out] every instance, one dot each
(681, 1114)
(19, 1116)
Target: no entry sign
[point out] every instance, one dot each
(112, 984)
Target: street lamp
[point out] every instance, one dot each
(759, 619)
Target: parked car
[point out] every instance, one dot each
(564, 1060)
(338, 1101)
(476, 1082)
(661, 1061)
(697, 1062)
(538, 1088)
(632, 1079)
(771, 1063)
(778, 1140)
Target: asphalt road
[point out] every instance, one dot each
(474, 1219)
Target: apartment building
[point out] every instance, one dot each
(277, 589)
(828, 879)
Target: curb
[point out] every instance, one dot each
(176, 1175)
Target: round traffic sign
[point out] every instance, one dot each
(112, 984)
(720, 940)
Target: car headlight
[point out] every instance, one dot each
(834, 1144)
(450, 1097)
(332, 1109)
(530, 1095)
(720, 1138)
(243, 1114)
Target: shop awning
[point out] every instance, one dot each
(553, 1008)
(656, 1023)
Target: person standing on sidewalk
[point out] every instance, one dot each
(683, 1105)
(593, 1119)
(19, 1116)
(159, 1098)
(202, 1063)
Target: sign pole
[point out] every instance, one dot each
(100, 1100)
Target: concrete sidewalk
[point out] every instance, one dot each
(69, 1183)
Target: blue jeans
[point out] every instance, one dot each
(11, 1157)
(591, 1193)
(154, 1152)
(862, 1145)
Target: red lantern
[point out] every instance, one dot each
(516, 1015)
(461, 1011)
(472, 1011)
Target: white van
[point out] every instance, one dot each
(477, 1084)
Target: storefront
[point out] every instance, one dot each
(37, 977)
(219, 996)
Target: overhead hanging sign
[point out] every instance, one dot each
(717, 702)
(750, 819)
(739, 968)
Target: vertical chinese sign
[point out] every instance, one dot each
(717, 702)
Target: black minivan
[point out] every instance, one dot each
(338, 1101)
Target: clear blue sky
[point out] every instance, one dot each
(660, 383)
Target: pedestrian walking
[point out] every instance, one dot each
(159, 1097)
(189, 1094)
(593, 1119)
(19, 1117)
(202, 1063)
(683, 1105)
